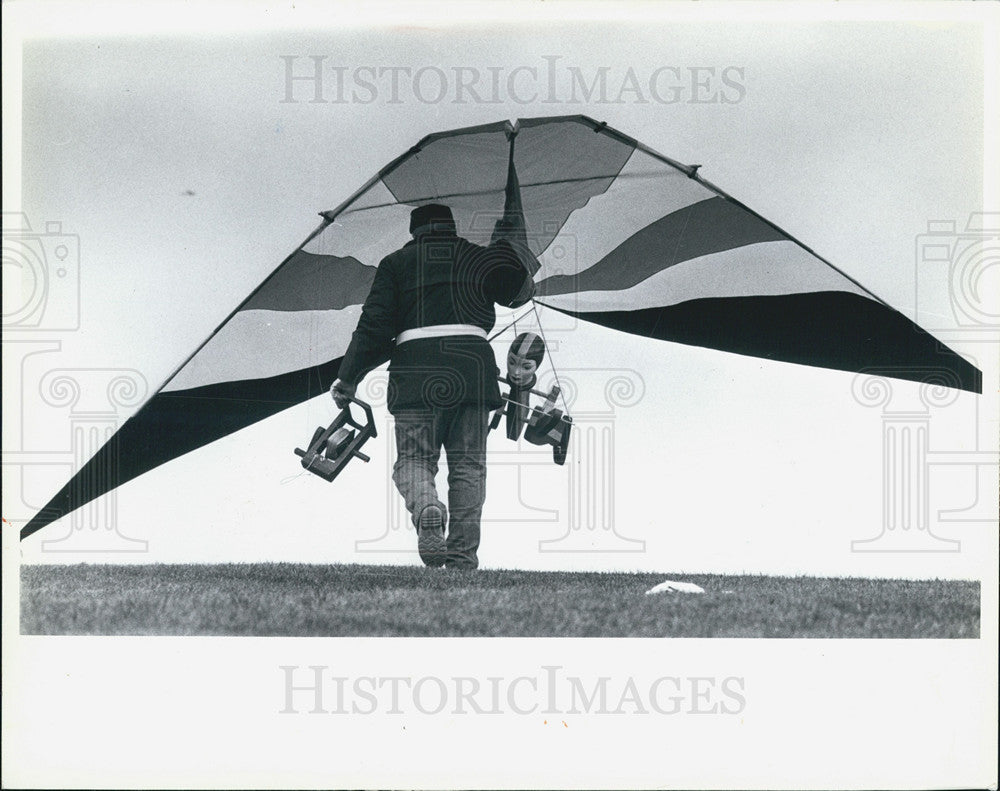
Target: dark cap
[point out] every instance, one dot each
(529, 345)
(436, 213)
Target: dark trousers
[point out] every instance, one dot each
(461, 431)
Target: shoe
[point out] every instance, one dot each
(430, 536)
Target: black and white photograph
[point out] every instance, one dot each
(500, 395)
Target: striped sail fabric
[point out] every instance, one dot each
(669, 256)
(626, 238)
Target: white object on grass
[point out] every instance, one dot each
(676, 587)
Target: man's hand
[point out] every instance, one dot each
(504, 226)
(511, 231)
(342, 393)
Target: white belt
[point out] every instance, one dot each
(440, 331)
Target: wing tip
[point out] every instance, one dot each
(42, 519)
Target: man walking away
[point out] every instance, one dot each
(429, 311)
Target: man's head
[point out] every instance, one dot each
(434, 216)
(525, 355)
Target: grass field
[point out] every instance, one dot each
(353, 600)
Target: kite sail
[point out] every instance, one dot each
(660, 252)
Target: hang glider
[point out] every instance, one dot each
(659, 252)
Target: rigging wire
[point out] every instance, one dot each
(552, 362)
(504, 329)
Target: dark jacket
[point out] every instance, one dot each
(436, 278)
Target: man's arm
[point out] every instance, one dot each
(372, 341)
(511, 281)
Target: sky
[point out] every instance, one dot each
(187, 169)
